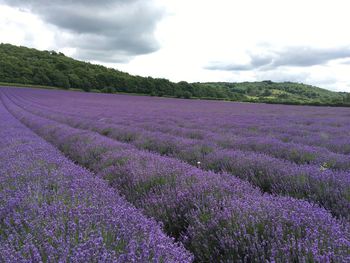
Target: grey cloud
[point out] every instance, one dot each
(288, 57)
(114, 30)
(228, 67)
(306, 56)
(347, 62)
(282, 76)
(100, 48)
(256, 62)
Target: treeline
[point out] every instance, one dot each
(49, 68)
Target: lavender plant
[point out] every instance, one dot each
(52, 210)
(316, 183)
(216, 216)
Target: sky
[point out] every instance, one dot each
(193, 40)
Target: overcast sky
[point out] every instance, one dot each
(194, 40)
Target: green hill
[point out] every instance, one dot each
(27, 66)
(283, 92)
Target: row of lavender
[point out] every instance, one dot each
(298, 153)
(54, 211)
(216, 216)
(328, 188)
(326, 127)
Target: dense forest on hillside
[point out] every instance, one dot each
(28, 66)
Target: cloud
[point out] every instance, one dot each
(320, 78)
(282, 76)
(106, 30)
(287, 57)
(306, 56)
(346, 62)
(256, 62)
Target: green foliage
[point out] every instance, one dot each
(108, 90)
(284, 92)
(186, 94)
(347, 98)
(48, 68)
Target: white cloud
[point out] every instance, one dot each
(23, 28)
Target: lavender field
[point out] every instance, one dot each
(115, 178)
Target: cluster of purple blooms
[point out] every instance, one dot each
(52, 210)
(217, 216)
(303, 172)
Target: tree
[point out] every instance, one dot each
(58, 79)
(108, 90)
(40, 78)
(75, 81)
(61, 66)
(347, 98)
(186, 94)
(267, 93)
